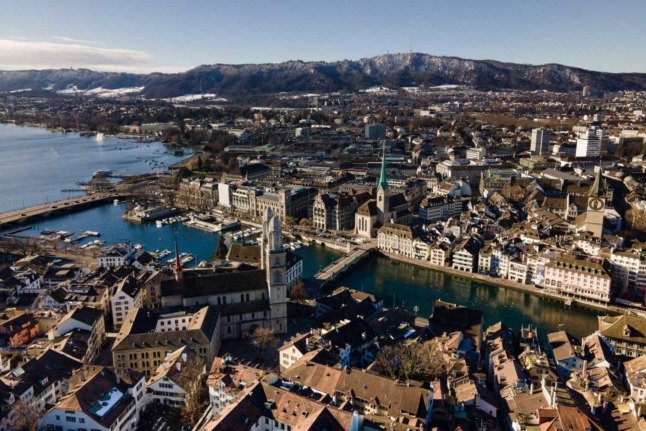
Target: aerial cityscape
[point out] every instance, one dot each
(227, 216)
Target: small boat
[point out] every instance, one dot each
(159, 223)
(91, 233)
(139, 141)
(47, 232)
(116, 201)
(102, 172)
(138, 246)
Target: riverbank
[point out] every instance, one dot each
(509, 284)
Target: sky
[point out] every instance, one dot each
(169, 36)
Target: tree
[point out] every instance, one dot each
(24, 416)
(417, 361)
(221, 249)
(192, 381)
(298, 292)
(263, 338)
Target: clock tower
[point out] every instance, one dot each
(274, 262)
(596, 207)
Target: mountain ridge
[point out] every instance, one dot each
(391, 70)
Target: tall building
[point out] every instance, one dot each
(275, 263)
(588, 143)
(540, 140)
(375, 131)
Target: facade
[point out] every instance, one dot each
(629, 271)
(465, 255)
(440, 208)
(625, 334)
(283, 202)
(577, 278)
(128, 296)
(588, 143)
(198, 194)
(540, 141)
(146, 337)
(176, 378)
(331, 212)
(117, 255)
(399, 239)
(84, 319)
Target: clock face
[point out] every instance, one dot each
(596, 204)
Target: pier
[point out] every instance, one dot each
(342, 265)
(24, 215)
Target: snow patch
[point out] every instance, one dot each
(193, 97)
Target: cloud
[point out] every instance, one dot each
(82, 41)
(15, 54)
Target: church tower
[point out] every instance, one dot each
(382, 197)
(596, 207)
(274, 261)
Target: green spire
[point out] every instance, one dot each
(383, 180)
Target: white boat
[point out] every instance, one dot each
(99, 137)
(102, 173)
(91, 233)
(137, 246)
(159, 223)
(116, 201)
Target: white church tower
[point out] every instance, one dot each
(274, 261)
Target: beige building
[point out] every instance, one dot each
(400, 239)
(146, 337)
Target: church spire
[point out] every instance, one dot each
(596, 186)
(383, 180)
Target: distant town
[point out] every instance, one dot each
(538, 193)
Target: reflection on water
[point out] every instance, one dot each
(401, 283)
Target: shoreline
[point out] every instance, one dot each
(509, 284)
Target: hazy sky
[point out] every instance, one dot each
(140, 36)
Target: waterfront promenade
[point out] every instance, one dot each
(527, 288)
(23, 215)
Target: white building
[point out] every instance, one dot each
(399, 239)
(99, 400)
(117, 255)
(465, 255)
(176, 378)
(128, 295)
(588, 143)
(629, 270)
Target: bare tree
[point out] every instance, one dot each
(263, 338)
(298, 292)
(417, 361)
(192, 381)
(25, 417)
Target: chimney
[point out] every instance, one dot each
(178, 365)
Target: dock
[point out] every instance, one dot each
(25, 215)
